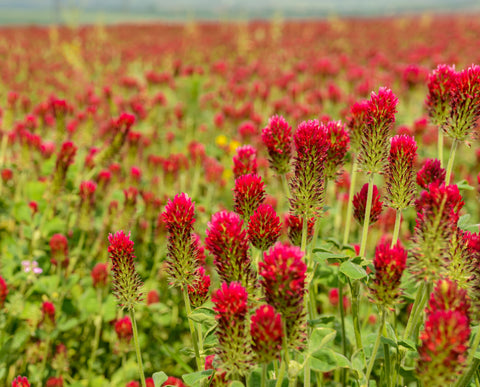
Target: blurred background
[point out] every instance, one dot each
(114, 11)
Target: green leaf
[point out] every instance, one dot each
(236, 383)
(203, 316)
(409, 344)
(342, 361)
(352, 270)
(323, 360)
(323, 320)
(22, 212)
(463, 184)
(67, 325)
(195, 378)
(159, 378)
(388, 341)
(330, 257)
(320, 338)
(34, 190)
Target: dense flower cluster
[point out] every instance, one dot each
(360, 203)
(440, 84)
(295, 228)
(338, 141)
(277, 137)
(267, 333)
(283, 275)
(248, 194)
(245, 161)
(264, 227)
(126, 282)
(198, 290)
(431, 172)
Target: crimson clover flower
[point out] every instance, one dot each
(230, 304)
(338, 141)
(445, 336)
(20, 381)
(65, 158)
(123, 329)
(390, 263)
(356, 122)
(3, 291)
(400, 176)
(283, 275)
(440, 83)
(277, 137)
(87, 192)
(437, 217)
(99, 275)
(360, 202)
(59, 250)
(264, 227)
(245, 161)
(465, 103)
(198, 290)
(54, 382)
(227, 241)
(431, 172)
(48, 315)
(308, 182)
(126, 282)
(379, 120)
(267, 333)
(248, 194)
(182, 260)
(295, 229)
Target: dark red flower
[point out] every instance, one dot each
(20, 381)
(198, 290)
(99, 275)
(277, 137)
(431, 172)
(123, 329)
(245, 161)
(264, 227)
(360, 203)
(248, 194)
(267, 333)
(3, 291)
(295, 228)
(448, 296)
(338, 142)
(54, 382)
(440, 83)
(356, 122)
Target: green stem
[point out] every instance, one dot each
(351, 191)
(386, 351)
(137, 347)
(468, 375)
(192, 328)
(44, 360)
(396, 229)
(263, 382)
(417, 308)
(366, 222)
(440, 145)
(450, 162)
(474, 347)
(344, 337)
(286, 357)
(286, 188)
(375, 346)
(355, 289)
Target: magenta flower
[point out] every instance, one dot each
(3, 292)
(87, 192)
(399, 173)
(389, 265)
(123, 329)
(379, 120)
(437, 217)
(182, 260)
(59, 250)
(99, 275)
(283, 275)
(198, 290)
(264, 227)
(295, 229)
(48, 315)
(440, 84)
(245, 161)
(356, 123)
(230, 304)
(126, 282)
(448, 296)
(248, 194)
(360, 203)
(465, 103)
(277, 137)
(65, 158)
(431, 172)
(308, 183)
(267, 333)
(228, 242)
(338, 142)
(20, 381)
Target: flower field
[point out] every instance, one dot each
(254, 203)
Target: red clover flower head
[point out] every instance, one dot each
(431, 172)
(390, 263)
(267, 333)
(198, 291)
(227, 241)
(338, 141)
(440, 83)
(443, 348)
(48, 314)
(126, 281)
(53, 381)
(245, 161)
(465, 104)
(308, 183)
(3, 291)
(283, 276)
(182, 260)
(379, 120)
(277, 137)
(99, 275)
(437, 217)
(356, 123)
(248, 194)
(448, 296)
(87, 192)
(264, 227)
(20, 381)
(400, 176)
(230, 304)
(360, 203)
(59, 250)
(295, 228)
(123, 329)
